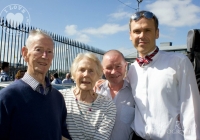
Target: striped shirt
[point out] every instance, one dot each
(95, 123)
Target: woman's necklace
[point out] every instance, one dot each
(85, 106)
(84, 110)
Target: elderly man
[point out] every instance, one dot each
(117, 89)
(163, 85)
(30, 108)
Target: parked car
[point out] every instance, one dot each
(56, 86)
(4, 84)
(63, 86)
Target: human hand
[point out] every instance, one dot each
(97, 84)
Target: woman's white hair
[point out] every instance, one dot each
(89, 56)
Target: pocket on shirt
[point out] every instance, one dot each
(127, 114)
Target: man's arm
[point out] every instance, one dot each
(65, 131)
(189, 100)
(4, 121)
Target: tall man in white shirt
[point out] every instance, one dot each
(118, 89)
(163, 86)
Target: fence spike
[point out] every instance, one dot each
(59, 38)
(50, 33)
(25, 27)
(83, 46)
(54, 36)
(13, 25)
(65, 40)
(77, 44)
(22, 26)
(62, 39)
(6, 23)
(80, 44)
(2, 21)
(9, 24)
(28, 29)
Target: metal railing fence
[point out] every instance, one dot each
(13, 38)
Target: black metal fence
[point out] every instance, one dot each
(13, 38)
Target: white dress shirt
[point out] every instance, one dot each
(162, 90)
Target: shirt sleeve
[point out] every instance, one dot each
(104, 130)
(65, 131)
(189, 100)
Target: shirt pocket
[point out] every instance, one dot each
(127, 114)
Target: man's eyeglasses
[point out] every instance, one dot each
(138, 15)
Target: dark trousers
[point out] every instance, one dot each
(136, 137)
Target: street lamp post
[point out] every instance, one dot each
(139, 1)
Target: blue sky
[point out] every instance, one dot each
(103, 24)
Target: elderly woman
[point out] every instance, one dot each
(89, 115)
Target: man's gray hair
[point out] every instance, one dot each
(36, 32)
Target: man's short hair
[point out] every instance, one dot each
(4, 65)
(36, 32)
(116, 51)
(55, 75)
(154, 18)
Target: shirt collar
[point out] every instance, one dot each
(125, 84)
(150, 52)
(34, 83)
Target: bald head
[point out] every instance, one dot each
(114, 67)
(113, 53)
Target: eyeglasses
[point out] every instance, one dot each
(138, 15)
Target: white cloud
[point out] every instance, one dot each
(176, 13)
(71, 30)
(106, 29)
(120, 15)
(83, 38)
(83, 35)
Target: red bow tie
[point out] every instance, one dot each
(147, 59)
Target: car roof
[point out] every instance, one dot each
(5, 84)
(63, 86)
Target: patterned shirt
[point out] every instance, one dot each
(35, 85)
(125, 105)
